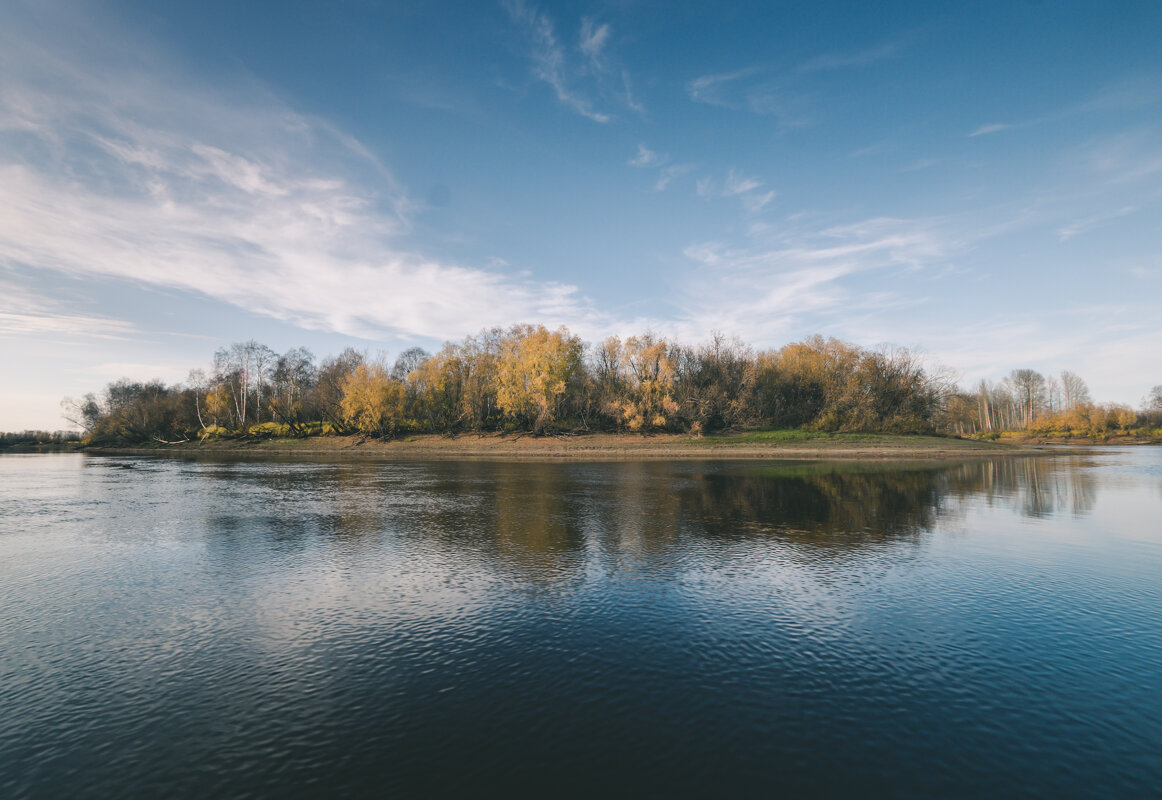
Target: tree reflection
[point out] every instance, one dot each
(822, 505)
(546, 521)
(847, 505)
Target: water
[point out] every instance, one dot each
(217, 628)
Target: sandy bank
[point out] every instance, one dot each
(602, 447)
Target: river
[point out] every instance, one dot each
(228, 628)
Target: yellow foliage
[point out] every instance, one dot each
(534, 370)
(372, 402)
(218, 404)
(648, 371)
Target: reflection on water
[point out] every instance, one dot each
(232, 627)
(530, 513)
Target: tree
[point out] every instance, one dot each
(84, 413)
(327, 397)
(1028, 388)
(245, 368)
(292, 383)
(408, 361)
(535, 368)
(642, 381)
(372, 401)
(1074, 390)
(716, 383)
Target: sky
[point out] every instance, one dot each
(978, 181)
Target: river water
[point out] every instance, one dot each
(227, 628)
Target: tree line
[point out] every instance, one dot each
(1029, 402)
(33, 439)
(528, 378)
(532, 379)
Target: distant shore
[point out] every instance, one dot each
(600, 447)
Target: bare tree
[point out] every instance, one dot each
(1028, 393)
(1153, 401)
(408, 361)
(245, 367)
(1075, 392)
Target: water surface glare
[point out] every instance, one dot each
(227, 628)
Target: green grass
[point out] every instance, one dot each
(793, 435)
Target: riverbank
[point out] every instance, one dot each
(601, 447)
(1119, 440)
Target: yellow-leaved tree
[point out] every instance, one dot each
(373, 403)
(647, 372)
(535, 368)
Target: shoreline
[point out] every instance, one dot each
(599, 447)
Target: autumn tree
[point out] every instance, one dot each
(479, 360)
(535, 368)
(436, 386)
(639, 377)
(372, 401)
(327, 397)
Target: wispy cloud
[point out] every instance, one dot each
(647, 158)
(25, 313)
(766, 291)
(1129, 92)
(668, 173)
(592, 42)
(709, 89)
(992, 127)
(583, 77)
(745, 188)
(861, 58)
(550, 61)
(755, 90)
(1126, 157)
(131, 171)
(1080, 226)
(27, 323)
(737, 184)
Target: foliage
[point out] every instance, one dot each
(535, 368)
(531, 379)
(372, 401)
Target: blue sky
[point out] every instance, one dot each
(981, 181)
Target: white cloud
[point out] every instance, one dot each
(549, 59)
(577, 77)
(709, 88)
(646, 158)
(592, 40)
(754, 202)
(23, 313)
(137, 174)
(1127, 157)
(737, 184)
(765, 292)
(754, 90)
(744, 188)
(667, 174)
(994, 127)
(650, 159)
(1080, 226)
(863, 58)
